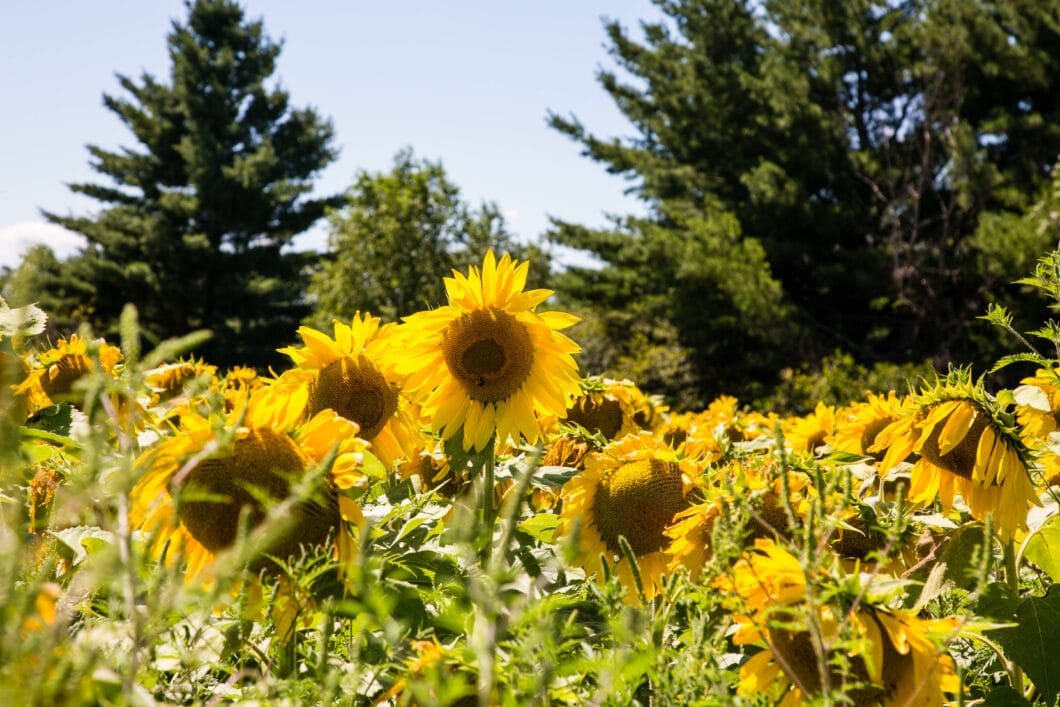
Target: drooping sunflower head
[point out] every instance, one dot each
(168, 381)
(53, 372)
(347, 374)
(891, 658)
(632, 489)
(488, 363)
(858, 424)
(967, 444)
(203, 483)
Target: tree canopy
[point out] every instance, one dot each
(198, 219)
(865, 155)
(396, 237)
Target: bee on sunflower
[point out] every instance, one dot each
(965, 444)
(488, 364)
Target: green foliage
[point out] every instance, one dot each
(838, 379)
(395, 238)
(876, 158)
(196, 225)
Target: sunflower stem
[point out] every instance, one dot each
(489, 511)
(1015, 674)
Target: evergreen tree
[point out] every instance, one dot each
(196, 221)
(398, 235)
(859, 145)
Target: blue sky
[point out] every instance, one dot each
(464, 82)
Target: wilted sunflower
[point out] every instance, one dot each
(633, 488)
(53, 372)
(197, 483)
(891, 657)
(487, 362)
(346, 374)
(965, 447)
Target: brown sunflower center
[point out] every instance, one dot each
(255, 473)
(638, 500)
(61, 375)
(356, 390)
(490, 352)
(597, 415)
(871, 432)
(961, 459)
(798, 660)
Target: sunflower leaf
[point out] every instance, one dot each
(21, 321)
(1030, 644)
(1043, 548)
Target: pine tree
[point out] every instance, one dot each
(197, 219)
(858, 144)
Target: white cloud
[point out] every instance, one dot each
(17, 238)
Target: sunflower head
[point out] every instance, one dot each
(347, 373)
(1038, 404)
(808, 432)
(53, 372)
(967, 444)
(631, 490)
(858, 424)
(488, 363)
(213, 475)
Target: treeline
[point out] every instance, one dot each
(835, 192)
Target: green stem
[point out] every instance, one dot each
(1013, 581)
(489, 485)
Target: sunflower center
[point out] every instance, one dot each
(961, 459)
(253, 475)
(489, 352)
(62, 374)
(638, 500)
(357, 391)
(603, 416)
(800, 663)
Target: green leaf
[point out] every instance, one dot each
(1031, 645)
(58, 420)
(542, 526)
(21, 321)
(1005, 697)
(997, 602)
(84, 540)
(463, 460)
(1043, 548)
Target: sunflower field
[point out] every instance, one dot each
(448, 511)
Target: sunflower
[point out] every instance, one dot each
(197, 483)
(858, 424)
(607, 407)
(891, 657)
(53, 372)
(347, 374)
(487, 362)
(633, 488)
(807, 433)
(965, 447)
(1038, 404)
